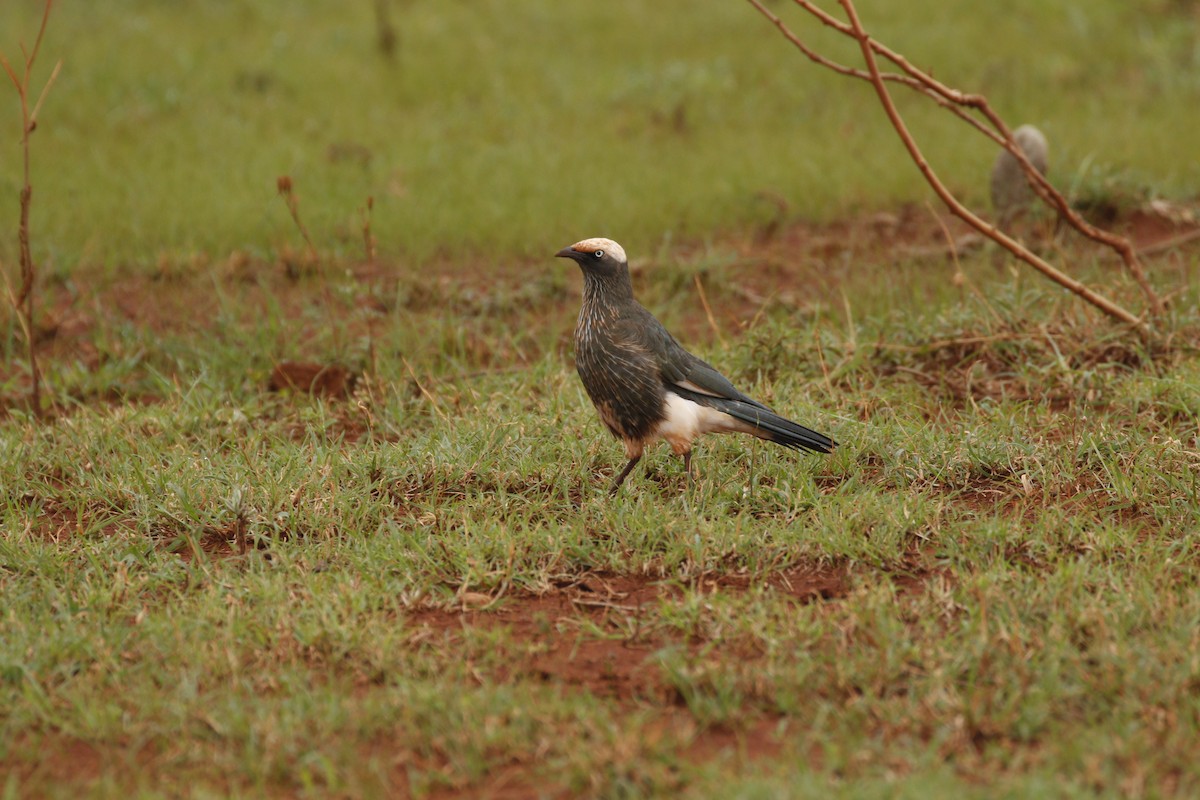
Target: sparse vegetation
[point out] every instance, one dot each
(299, 533)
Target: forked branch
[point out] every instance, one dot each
(22, 298)
(962, 104)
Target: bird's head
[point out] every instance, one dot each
(597, 256)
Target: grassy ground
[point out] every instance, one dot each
(414, 584)
(989, 588)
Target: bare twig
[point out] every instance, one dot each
(22, 299)
(580, 601)
(284, 184)
(993, 127)
(930, 90)
(368, 238)
(1019, 250)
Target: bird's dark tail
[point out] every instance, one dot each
(766, 423)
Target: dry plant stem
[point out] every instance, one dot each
(1101, 302)
(386, 35)
(1044, 189)
(425, 392)
(284, 185)
(22, 300)
(1003, 136)
(998, 132)
(958, 270)
(368, 239)
(712, 322)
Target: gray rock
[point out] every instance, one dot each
(1011, 193)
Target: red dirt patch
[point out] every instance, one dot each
(57, 523)
(320, 380)
(587, 634)
(552, 627)
(756, 740)
(803, 582)
(607, 667)
(60, 759)
(1158, 227)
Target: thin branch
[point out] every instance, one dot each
(284, 184)
(12, 76)
(993, 127)
(889, 106)
(37, 44)
(22, 299)
(1044, 189)
(45, 90)
(907, 80)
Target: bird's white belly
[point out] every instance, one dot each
(684, 420)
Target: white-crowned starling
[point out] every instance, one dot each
(644, 385)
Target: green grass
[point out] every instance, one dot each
(1007, 536)
(502, 129)
(1015, 516)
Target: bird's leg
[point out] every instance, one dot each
(624, 473)
(687, 466)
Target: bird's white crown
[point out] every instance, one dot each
(600, 243)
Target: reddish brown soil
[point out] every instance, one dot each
(551, 645)
(613, 666)
(612, 656)
(61, 758)
(321, 380)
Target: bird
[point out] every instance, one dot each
(645, 385)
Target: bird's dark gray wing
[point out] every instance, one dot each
(678, 366)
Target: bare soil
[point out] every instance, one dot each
(550, 645)
(618, 665)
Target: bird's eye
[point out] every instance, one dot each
(599, 254)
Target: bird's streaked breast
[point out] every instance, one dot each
(621, 379)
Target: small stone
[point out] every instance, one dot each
(1011, 193)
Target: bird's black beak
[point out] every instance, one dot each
(568, 252)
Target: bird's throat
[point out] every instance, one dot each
(607, 288)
